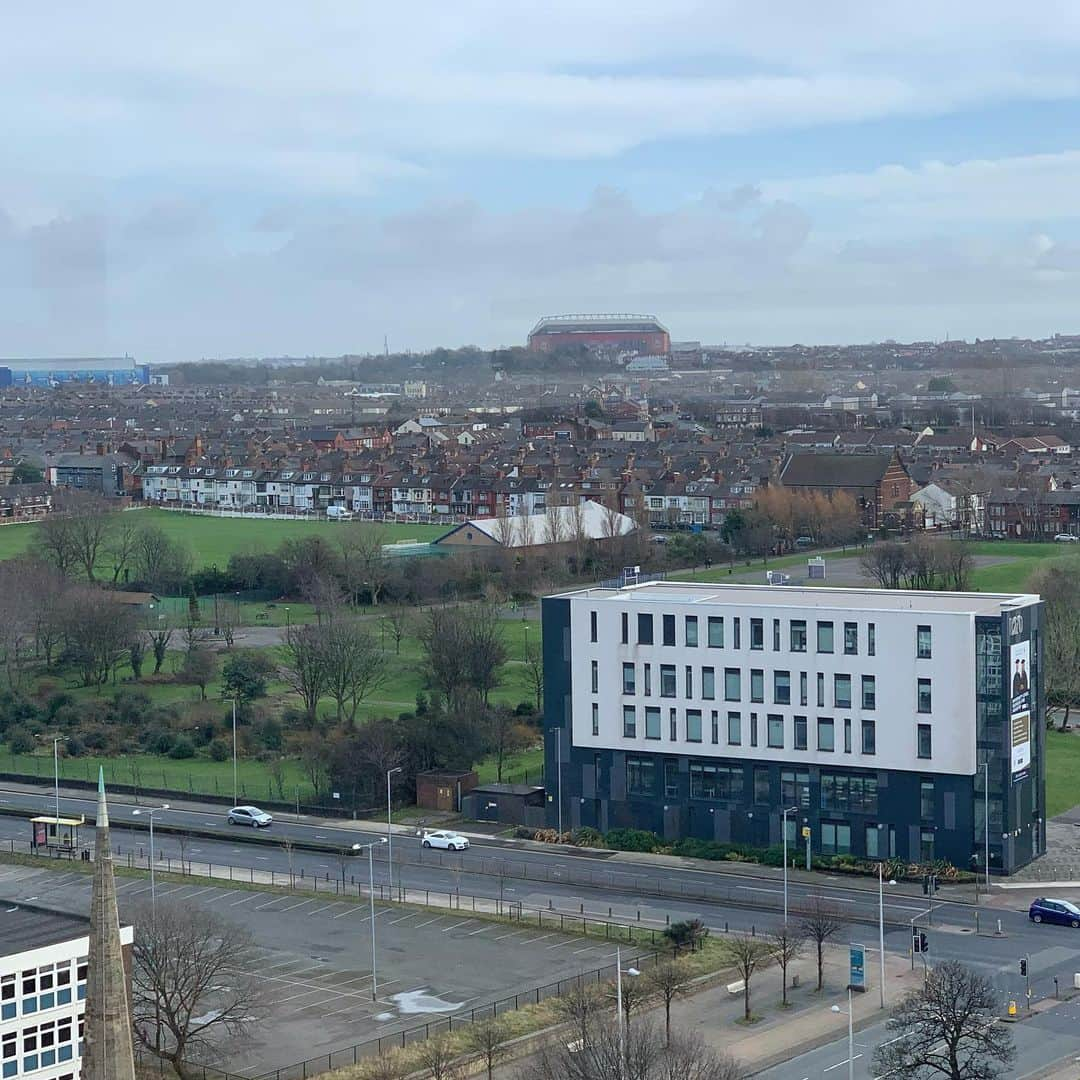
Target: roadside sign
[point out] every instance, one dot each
(857, 967)
(806, 832)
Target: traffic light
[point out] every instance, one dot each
(916, 940)
(929, 884)
(1023, 966)
(924, 945)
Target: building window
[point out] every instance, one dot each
(732, 684)
(871, 639)
(693, 725)
(757, 685)
(640, 776)
(923, 643)
(592, 626)
(851, 639)
(782, 687)
(673, 728)
(689, 681)
(821, 690)
(628, 679)
(869, 692)
(873, 842)
(669, 629)
(800, 732)
(625, 628)
(652, 722)
(795, 789)
(926, 845)
(842, 691)
(648, 680)
(924, 696)
(926, 800)
(776, 732)
(629, 722)
(835, 838)
(715, 727)
(757, 634)
(667, 680)
(824, 637)
(776, 635)
(826, 739)
(736, 633)
(595, 719)
(716, 782)
(762, 787)
(644, 629)
(798, 635)
(847, 735)
(716, 632)
(671, 779)
(926, 748)
(734, 729)
(595, 676)
(869, 737)
(708, 683)
(802, 688)
(753, 729)
(691, 631)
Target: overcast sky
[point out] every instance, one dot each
(251, 179)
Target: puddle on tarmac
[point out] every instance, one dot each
(421, 1001)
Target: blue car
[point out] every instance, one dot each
(1055, 911)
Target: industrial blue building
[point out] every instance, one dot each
(45, 372)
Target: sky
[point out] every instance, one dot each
(253, 179)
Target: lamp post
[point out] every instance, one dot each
(850, 1037)
(633, 971)
(986, 821)
(235, 788)
(881, 927)
(557, 731)
(153, 881)
(389, 833)
(371, 900)
(783, 815)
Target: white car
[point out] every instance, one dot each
(449, 841)
(1067, 538)
(249, 815)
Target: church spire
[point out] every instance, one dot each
(107, 1053)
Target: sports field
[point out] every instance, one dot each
(212, 540)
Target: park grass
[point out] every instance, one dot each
(1062, 772)
(743, 566)
(515, 768)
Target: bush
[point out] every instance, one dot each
(74, 747)
(220, 750)
(633, 840)
(159, 741)
(587, 837)
(57, 702)
(20, 741)
(95, 739)
(689, 934)
(269, 733)
(182, 748)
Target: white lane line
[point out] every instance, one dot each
(404, 918)
(246, 899)
(841, 1064)
(455, 926)
(270, 903)
(352, 910)
(295, 906)
(560, 944)
(473, 933)
(327, 907)
(428, 923)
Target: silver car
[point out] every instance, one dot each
(250, 815)
(449, 841)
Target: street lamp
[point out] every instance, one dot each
(783, 814)
(881, 926)
(633, 972)
(371, 899)
(558, 765)
(153, 881)
(850, 1037)
(235, 788)
(389, 833)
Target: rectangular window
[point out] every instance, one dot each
(847, 735)
(821, 690)
(826, 739)
(798, 635)
(667, 680)
(926, 845)
(835, 838)
(762, 787)
(842, 691)
(824, 637)
(592, 626)
(648, 680)
(800, 732)
(625, 628)
(734, 729)
(923, 649)
(691, 631)
(708, 683)
(595, 719)
(869, 737)
(652, 722)
(802, 688)
(644, 629)
(924, 696)
(753, 729)
(873, 842)
(926, 800)
(669, 629)
(716, 632)
(776, 732)
(595, 676)
(926, 745)
(732, 684)
(776, 635)
(671, 779)
(673, 727)
(715, 727)
(757, 685)
(693, 725)
(757, 634)
(736, 633)
(640, 776)
(795, 789)
(869, 692)
(629, 722)
(871, 639)
(781, 687)
(689, 681)
(851, 639)
(628, 679)
(715, 782)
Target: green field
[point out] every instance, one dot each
(1062, 772)
(212, 540)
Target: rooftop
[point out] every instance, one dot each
(23, 928)
(809, 596)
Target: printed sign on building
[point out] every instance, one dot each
(1019, 676)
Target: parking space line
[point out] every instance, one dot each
(560, 944)
(352, 910)
(543, 937)
(404, 918)
(246, 899)
(327, 907)
(473, 933)
(429, 922)
(455, 926)
(299, 905)
(269, 903)
(577, 952)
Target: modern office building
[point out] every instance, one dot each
(875, 717)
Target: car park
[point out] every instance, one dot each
(448, 841)
(1062, 912)
(250, 815)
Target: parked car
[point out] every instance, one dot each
(1067, 538)
(449, 841)
(1061, 912)
(250, 815)
(338, 513)
(804, 541)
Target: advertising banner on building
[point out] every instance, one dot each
(1019, 676)
(857, 967)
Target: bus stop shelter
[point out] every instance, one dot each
(59, 834)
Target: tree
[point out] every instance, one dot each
(243, 678)
(787, 945)
(669, 981)
(438, 1058)
(1059, 586)
(687, 934)
(947, 1028)
(158, 561)
(636, 991)
(487, 1040)
(121, 545)
(397, 622)
(820, 924)
(305, 665)
(200, 667)
(26, 473)
(485, 644)
(136, 656)
(97, 633)
(354, 666)
(508, 736)
(885, 562)
(747, 955)
(89, 519)
(443, 638)
(534, 672)
(196, 985)
(365, 566)
(956, 564)
(160, 637)
(581, 1006)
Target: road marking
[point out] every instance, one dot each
(404, 918)
(299, 905)
(560, 944)
(269, 903)
(543, 936)
(326, 908)
(455, 926)
(352, 910)
(841, 1064)
(473, 933)
(250, 896)
(428, 923)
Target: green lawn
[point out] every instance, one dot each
(1062, 772)
(721, 572)
(213, 540)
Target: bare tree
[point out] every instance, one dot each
(200, 668)
(669, 981)
(956, 565)
(947, 1028)
(305, 668)
(485, 643)
(90, 518)
(636, 991)
(397, 622)
(354, 666)
(367, 568)
(121, 545)
(487, 1040)
(556, 528)
(581, 1006)
(387, 1066)
(1059, 586)
(885, 563)
(524, 527)
(160, 636)
(503, 528)
(443, 638)
(747, 955)
(819, 925)
(534, 672)
(438, 1058)
(195, 983)
(323, 591)
(788, 945)
(97, 633)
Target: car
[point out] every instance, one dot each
(1067, 538)
(250, 815)
(1061, 912)
(450, 841)
(804, 541)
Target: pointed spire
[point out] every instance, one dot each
(102, 805)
